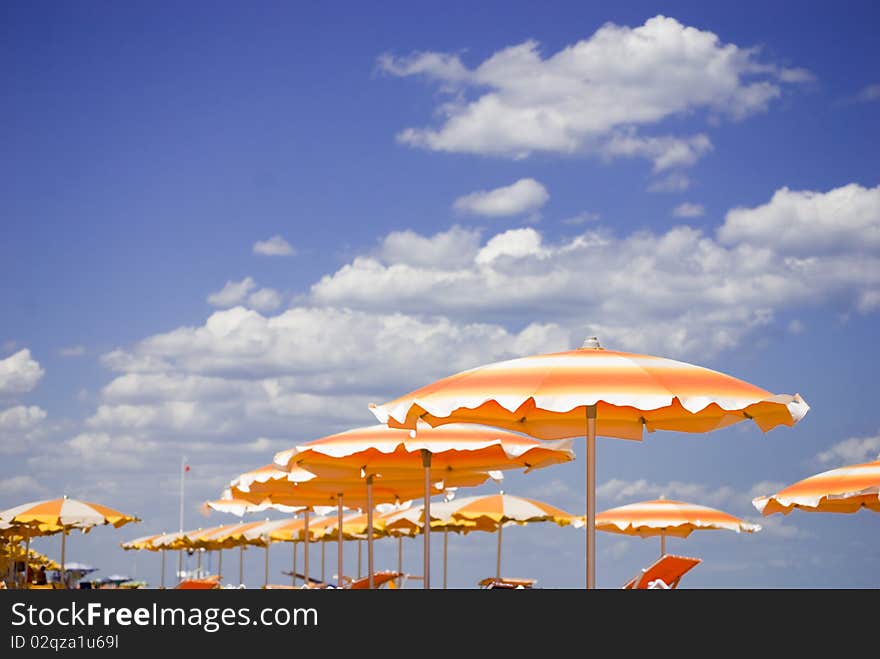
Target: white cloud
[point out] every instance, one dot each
(265, 299)
(623, 492)
(96, 450)
(780, 527)
(674, 182)
(72, 351)
(679, 292)
(234, 292)
(665, 152)
(850, 451)
(592, 93)
(275, 246)
(19, 486)
(525, 196)
(796, 327)
(869, 93)
(807, 223)
(19, 427)
(19, 373)
(453, 248)
(583, 217)
(688, 209)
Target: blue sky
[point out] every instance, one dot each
(449, 186)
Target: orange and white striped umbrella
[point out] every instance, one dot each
(843, 490)
(665, 517)
(382, 455)
(592, 391)
(142, 543)
(52, 515)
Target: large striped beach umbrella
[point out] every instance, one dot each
(379, 454)
(592, 391)
(842, 490)
(54, 515)
(665, 517)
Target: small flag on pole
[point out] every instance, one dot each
(186, 468)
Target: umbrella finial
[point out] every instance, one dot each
(591, 343)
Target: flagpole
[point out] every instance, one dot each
(180, 553)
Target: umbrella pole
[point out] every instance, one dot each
(662, 544)
(241, 565)
(27, 554)
(199, 563)
(323, 572)
(306, 550)
(369, 531)
(163, 569)
(294, 563)
(63, 547)
(498, 555)
(220, 564)
(426, 462)
(400, 560)
(445, 544)
(339, 540)
(266, 576)
(359, 559)
(591, 496)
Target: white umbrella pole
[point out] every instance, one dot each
(426, 462)
(498, 555)
(591, 496)
(400, 559)
(294, 563)
(63, 548)
(662, 544)
(199, 563)
(241, 565)
(370, 531)
(306, 550)
(339, 540)
(445, 545)
(266, 576)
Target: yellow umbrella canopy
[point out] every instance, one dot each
(842, 490)
(592, 391)
(665, 517)
(54, 515)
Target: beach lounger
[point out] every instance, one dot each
(491, 583)
(379, 579)
(208, 583)
(664, 573)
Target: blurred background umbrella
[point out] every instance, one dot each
(842, 490)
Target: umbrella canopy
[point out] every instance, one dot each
(446, 454)
(54, 515)
(663, 517)
(592, 391)
(144, 542)
(843, 490)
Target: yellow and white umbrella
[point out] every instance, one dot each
(54, 515)
(592, 391)
(665, 517)
(842, 490)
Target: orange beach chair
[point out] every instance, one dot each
(664, 573)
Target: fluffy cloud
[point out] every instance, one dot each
(869, 93)
(19, 373)
(591, 95)
(688, 209)
(677, 292)
(19, 426)
(453, 248)
(265, 299)
(524, 196)
(808, 223)
(623, 492)
(19, 486)
(103, 450)
(850, 451)
(304, 372)
(275, 246)
(234, 292)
